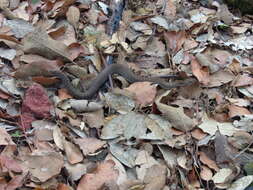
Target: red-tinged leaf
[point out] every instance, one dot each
(10, 164)
(4, 96)
(198, 134)
(16, 182)
(201, 73)
(57, 33)
(9, 38)
(63, 186)
(104, 173)
(36, 105)
(45, 81)
(3, 183)
(75, 49)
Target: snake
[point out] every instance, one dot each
(103, 76)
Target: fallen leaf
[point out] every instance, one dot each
(145, 161)
(39, 42)
(208, 161)
(8, 54)
(36, 105)
(198, 134)
(241, 183)
(175, 40)
(144, 92)
(73, 153)
(73, 15)
(220, 78)
(223, 150)
(237, 110)
(76, 171)
(15, 182)
(89, 145)
(104, 173)
(19, 27)
(159, 20)
(240, 139)
(5, 138)
(243, 80)
(205, 173)
(9, 164)
(222, 175)
(175, 115)
(170, 9)
(155, 177)
(210, 126)
(201, 73)
(224, 14)
(36, 69)
(44, 165)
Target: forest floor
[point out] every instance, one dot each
(135, 136)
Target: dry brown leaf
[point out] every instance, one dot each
(9, 164)
(237, 110)
(73, 153)
(219, 78)
(9, 38)
(144, 92)
(190, 44)
(36, 69)
(58, 138)
(103, 174)
(193, 178)
(65, 33)
(75, 49)
(73, 15)
(5, 138)
(175, 40)
(240, 139)
(95, 119)
(243, 80)
(235, 66)
(39, 42)
(223, 151)
(176, 116)
(76, 171)
(201, 73)
(63, 186)
(207, 161)
(155, 177)
(63, 94)
(44, 165)
(198, 134)
(89, 145)
(64, 7)
(170, 9)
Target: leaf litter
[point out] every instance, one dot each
(134, 136)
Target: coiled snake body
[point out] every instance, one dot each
(102, 77)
